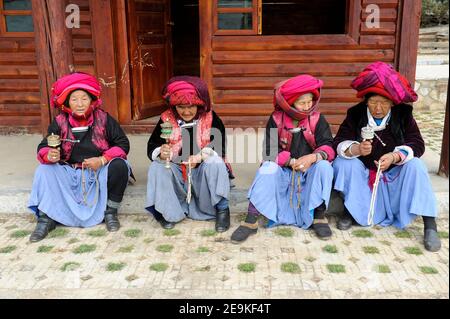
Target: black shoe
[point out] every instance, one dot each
(223, 220)
(431, 241)
(346, 221)
(111, 219)
(165, 224)
(322, 230)
(44, 225)
(243, 232)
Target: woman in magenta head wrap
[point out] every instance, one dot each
(81, 182)
(293, 185)
(196, 185)
(394, 145)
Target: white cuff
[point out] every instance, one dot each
(344, 146)
(156, 153)
(207, 151)
(407, 149)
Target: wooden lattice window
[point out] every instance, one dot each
(16, 19)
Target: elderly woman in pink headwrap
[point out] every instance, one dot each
(395, 145)
(81, 182)
(197, 183)
(293, 185)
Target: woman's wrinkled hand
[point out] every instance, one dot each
(303, 163)
(165, 152)
(386, 161)
(365, 148)
(54, 155)
(94, 163)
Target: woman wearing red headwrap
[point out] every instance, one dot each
(395, 145)
(81, 182)
(197, 183)
(293, 186)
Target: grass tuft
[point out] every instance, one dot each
(362, 233)
(115, 266)
(248, 267)
(164, 248)
(133, 233)
(45, 249)
(7, 249)
(330, 249)
(292, 268)
(159, 267)
(284, 232)
(336, 268)
(371, 250)
(83, 249)
(70, 266)
(413, 251)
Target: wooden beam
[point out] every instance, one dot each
(409, 38)
(53, 50)
(103, 43)
(123, 61)
(206, 27)
(443, 165)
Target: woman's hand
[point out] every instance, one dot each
(303, 163)
(365, 148)
(94, 163)
(387, 160)
(54, 155)
(195, 160)
(165, 153)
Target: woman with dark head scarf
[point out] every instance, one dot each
(293, 186)
(196, 182)
(81, 182)
(393, 147)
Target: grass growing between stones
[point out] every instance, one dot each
(148, 240)
(336, 268)
(58, 232)
(45, 249)
(203, 250)
(443, 234)
(385, 242)
(371, 250)
(73, 241)
(413, 250)
(208, 233)
(331, 249)
(83, 249)
(292, 268)
(248, 267)
(383, 269)
(203, 269)
(20, 234)
(159, 267)
(171, 232)
(284, 232)
(403, 234)
(70, 266)
(126, 249)
(133, 233)
(7, 249)
(97, 233)
(428, 270)
(362, 233)
(310, 259)
(164, 248)
(115, 266)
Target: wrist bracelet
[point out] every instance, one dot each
(103, 160)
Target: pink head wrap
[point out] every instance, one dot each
(287, 92)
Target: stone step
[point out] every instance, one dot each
(434, 52)
(432, 59)
(433, 45)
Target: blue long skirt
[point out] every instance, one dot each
(272, 190)
(403, 193)
(166, 190)
(57, 191)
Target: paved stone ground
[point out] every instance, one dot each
(431, 124)
(197, 263)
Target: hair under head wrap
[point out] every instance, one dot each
(287, 92)
(187, 90)
(382, 79)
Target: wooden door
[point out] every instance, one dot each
(150, 54)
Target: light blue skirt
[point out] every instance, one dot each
(275, 196)
(58, 192)
(167, 191)
(403, 193)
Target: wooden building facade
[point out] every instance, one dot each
(241, 48)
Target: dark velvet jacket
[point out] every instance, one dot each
(156, 141)
(299, 145)
(86, 149)
(401, 129)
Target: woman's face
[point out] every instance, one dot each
(379, 106)
(187, 112)
(79, 102)
(304, 103)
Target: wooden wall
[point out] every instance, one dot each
(83, 51)
(19, 86)
(244, 69)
